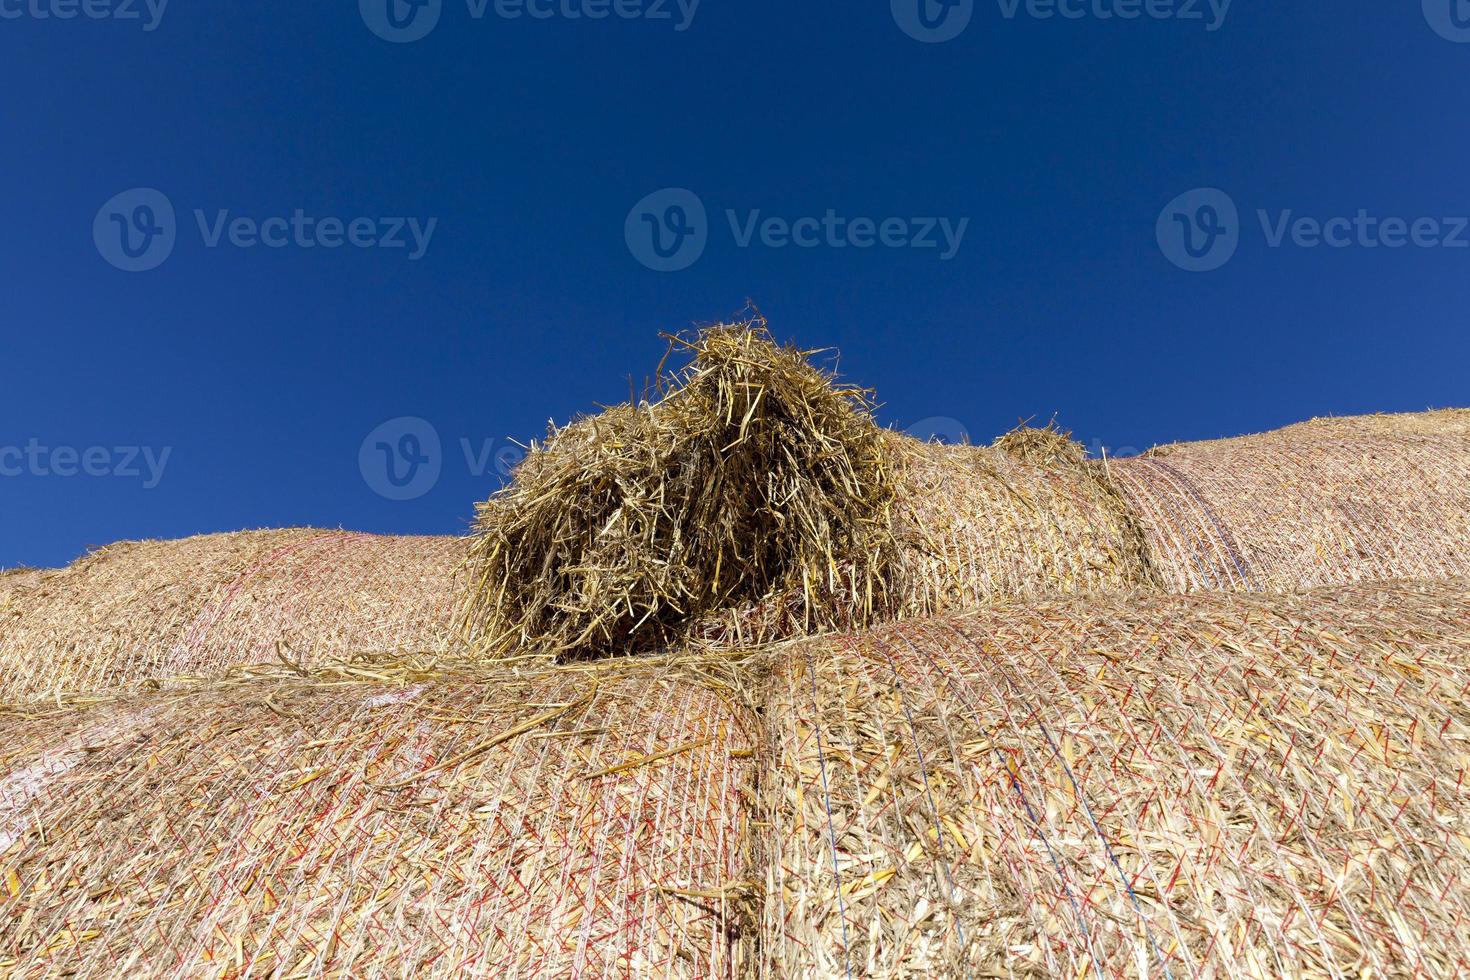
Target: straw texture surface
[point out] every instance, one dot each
(753, 478)
(588, 822)
(130, 613)
(1210, 785)
(1327, 501)
(979, 524)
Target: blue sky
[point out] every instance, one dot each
(458, 228)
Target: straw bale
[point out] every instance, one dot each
(1024, 517)
(133, 612)
(758, 499)
(1217, 785)
(581, 822)
(1322, 502)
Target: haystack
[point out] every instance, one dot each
(1327, 501)
(752, 478)
(385, 821)
(756, 498)
(131, 613)
(1211, 785)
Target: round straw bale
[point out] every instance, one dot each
(575, 823)
(1322, 502)
(1214, 785)
(137, 612)
(1028, 516)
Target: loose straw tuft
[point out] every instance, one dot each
(755, 476)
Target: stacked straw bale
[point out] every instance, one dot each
(131, 613)
(1025, 517)
(1212, 785)
(585, 822)
(1328, 501)
(757, 498)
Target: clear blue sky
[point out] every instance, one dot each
(528, 141)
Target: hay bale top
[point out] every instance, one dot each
(752, 475)
(1026, 516)
(139, 610)
(1444, 423)
(15, 579)
(1047, 445)
(1326, 501)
